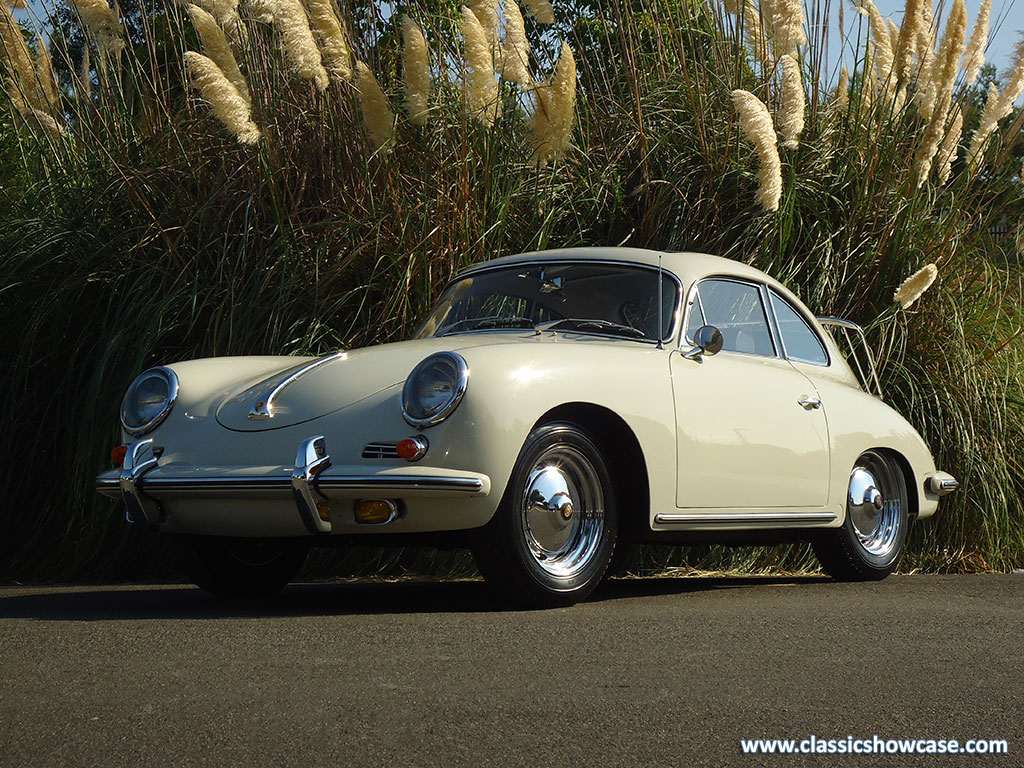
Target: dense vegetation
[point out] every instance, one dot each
(136, 229)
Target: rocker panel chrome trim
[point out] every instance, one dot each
(325, 482)
(730, 519)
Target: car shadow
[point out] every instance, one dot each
(178, 601)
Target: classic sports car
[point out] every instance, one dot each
(552, 407)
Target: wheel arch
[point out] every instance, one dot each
(909, 478)
(628, 465)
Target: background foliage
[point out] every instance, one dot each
(146, 234)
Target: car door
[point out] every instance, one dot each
(750, 429)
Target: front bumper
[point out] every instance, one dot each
(216, 499)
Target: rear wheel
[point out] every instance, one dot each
(229, 567)
(553, 534)
(870, 542)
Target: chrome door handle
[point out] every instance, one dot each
(809, 402)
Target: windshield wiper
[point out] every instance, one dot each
(491, 321)
(602, 326)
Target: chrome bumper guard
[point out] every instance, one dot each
(308, 484)
(941, 483)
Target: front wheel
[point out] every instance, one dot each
(229, 567)
(553, 534)
(869, 545)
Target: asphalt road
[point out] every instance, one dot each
(653, 672)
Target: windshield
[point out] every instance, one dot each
(610, 299)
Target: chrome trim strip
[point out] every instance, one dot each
(264, 405)
(139, 508)
(487, 267)
(325, 482)
(172, 396)
(744, 518)
(310, 460)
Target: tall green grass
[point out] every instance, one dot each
(149, 235)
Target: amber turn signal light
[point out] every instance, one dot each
(375, 511)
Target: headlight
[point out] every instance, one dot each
(434, 389)
(148, 400)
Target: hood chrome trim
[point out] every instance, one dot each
(263, 408)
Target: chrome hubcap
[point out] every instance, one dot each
(563, 511)
(874, 505)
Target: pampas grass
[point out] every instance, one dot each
(541, 10)
(948, 60)
(950, 146)
(906, 44)
(217, 49)
(913, 287)
(974, 54)
(415, 71)
(997, 106)
(756, 125)
(786, 24)
(486, 12)
(327, 26)
(555, 112)
(514, 61)
(481, 89)
(297, 41)
(377, 115)
(225, 101)
(99, 21)
(791, 115)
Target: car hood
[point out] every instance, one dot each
(315, 388)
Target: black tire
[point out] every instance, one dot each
(870, 543)
(228, 567)
(554, 550)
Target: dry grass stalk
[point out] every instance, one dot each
(926, 89)
(45, 77)
(950, 146)
(481, 89)
(225, 101)
(327, 26)
(19, 60)
(377, 115)
(541, 10)
(486, 12)
(998, 106)
(300, 49)
(415, 71)
(756, 124)
(261, 10)
(913, 287)
(84, 81)
(35, 118)
(974, 54)
(754, 26)
(216, 48)
(947, 64)
(553, 118)
(15, 4)
(514, 54)
(791, 113)
(101, 23)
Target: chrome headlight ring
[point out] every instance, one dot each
(148, 400)
(434, 389)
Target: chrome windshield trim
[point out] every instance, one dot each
(744, 518)
(676, 312)
(263, 408)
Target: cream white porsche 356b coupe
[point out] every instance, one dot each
(553, 406)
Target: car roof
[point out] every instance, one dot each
(687, 265)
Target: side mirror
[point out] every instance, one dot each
(708, 341)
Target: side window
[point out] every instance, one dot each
(736, 310)
(801, 342)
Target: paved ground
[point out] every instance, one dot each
(658, 672)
